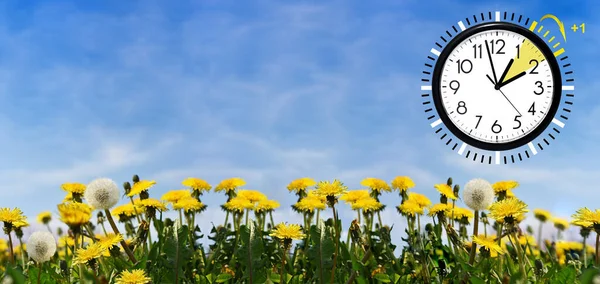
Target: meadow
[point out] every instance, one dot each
(472, 234)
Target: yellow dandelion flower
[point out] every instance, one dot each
(331, 189)
(68, 197)
(314, 194)
(140, 186)
(367, 204)
(266, 205)
(560, 223)
(354, 195)
(196, 184)
(488, 243)
(402, 183)
(310, 203)
(230, 184)
(507, 209)
(411, 207)
(509, 193)
(376, 184)
(585, 217)
(11, 216)
(173, 196)
(301, 184)
(251, 195)
(152, 203)
(527, 240)
(459, 213)
(84, 255)
(110, 240)
(420, 199)
(78, 188)
(445, 190)
(239, 204)
(438, 208)
(287, 232)
(75, 214)
(188, 204)
(20, 224)
(504, 186)
(126, 210)
(66, 241)
(44, 217)
(542, 215)
(136, 276)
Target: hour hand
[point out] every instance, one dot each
(500, 85)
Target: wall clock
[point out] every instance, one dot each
(497, 88)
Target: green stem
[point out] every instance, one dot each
(597, 246)
(80, 266)
(116, 231)
(584, 252)
(22, 251)
(282, 264)
(540, 235)
(318, 211)
(337, 243)
(226, 218)
(39, 276)
(517, 245)
(12, 252)
(271, 217)
(473, 244)
(247, 213)
(180, 217)
(379, 218)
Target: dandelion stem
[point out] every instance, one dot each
(247, 214)
(116, 231)
(318, 211)
(80, 266)
(358, 213)
(22, 253)
(597, 247)
(521, 256)
(540, 234)
(271, 217)
(180, 217)
(584, 252)
(39, 276)
(379, 218)
(12, 252)
(473, 244)
(282, 271)
(337, 242)
(137, 216)
(226, 218)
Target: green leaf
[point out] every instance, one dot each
(382, 278)
(588, 275)
(251, 254)
(16, 274)
(321, 253)
(565, 275)
(476, 280)
(176, 250)
(224, 277)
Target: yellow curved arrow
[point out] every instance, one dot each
(561, 26)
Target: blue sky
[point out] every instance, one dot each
(268, 91)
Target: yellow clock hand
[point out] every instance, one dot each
(528, 57)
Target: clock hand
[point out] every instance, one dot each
(509, 102)
(487, 47)
(504, 73)
(490, 78)
(500, 85)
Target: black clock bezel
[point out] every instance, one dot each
(552, 63)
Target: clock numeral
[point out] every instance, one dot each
(540, 87)
(518, 51)
(462, 108)
(532, 109)
(517, 121)
(496, 128)
(536, 66)
(500, 43)
(454, 85)
(477, 50)
(478, 121)
(465, 66)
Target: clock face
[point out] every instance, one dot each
(496, 86)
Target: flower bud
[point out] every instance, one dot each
(136, 178)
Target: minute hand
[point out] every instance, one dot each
(511, 79)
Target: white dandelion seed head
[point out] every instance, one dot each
(41, 246)
(102, 193)
(478, 194)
